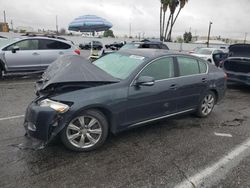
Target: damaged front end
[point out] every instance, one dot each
(42, 122)
(46, 117)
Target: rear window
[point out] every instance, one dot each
(52, 45)
(203, 67)
(188, 66)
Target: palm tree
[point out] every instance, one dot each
(163, 9)
(182, 5)
(172, 6)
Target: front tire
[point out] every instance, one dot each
(86, 132)
(206, 105)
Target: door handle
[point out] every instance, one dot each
(35, 53)
(204, 80)
(173, 86)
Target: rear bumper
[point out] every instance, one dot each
(40, 122)
(243, 78)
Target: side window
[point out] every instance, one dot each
(25, 45)
(45, 44)
(203, 67)
(160, 69)
(188, 66)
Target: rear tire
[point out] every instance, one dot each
(206, 105)
(85, 132)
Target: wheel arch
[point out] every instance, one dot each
(215, 93)
(108, 114)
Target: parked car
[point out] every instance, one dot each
(31, 54)
(115, 45)
(194, 50)
(93, 44)
(208, 54)
(237, 65)
(146, 44)
(83, 102)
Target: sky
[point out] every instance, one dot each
(229, 17)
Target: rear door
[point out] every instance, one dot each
(26, 58)
(50, 50)
(192, 82)
(148, 102)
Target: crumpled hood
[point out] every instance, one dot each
(239, 50)
(73, 69)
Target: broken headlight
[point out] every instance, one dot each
(57, 106)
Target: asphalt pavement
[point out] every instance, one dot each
(183, 152)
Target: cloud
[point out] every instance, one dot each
(228, 17)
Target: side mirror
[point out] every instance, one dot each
(14, 49)
(145, 81)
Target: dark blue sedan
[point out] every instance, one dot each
(83, 102)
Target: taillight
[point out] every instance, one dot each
(225, 76)
(77, 52)
(221, 64)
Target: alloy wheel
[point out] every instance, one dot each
(207, 104)
(84, 131)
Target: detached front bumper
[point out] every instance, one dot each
(40, 122)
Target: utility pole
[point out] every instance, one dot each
(12, 28)
(245, 40)
(56, 25)
(209, 30)
(129, 30)
(4, 16)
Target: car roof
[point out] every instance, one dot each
(211, 48)
(146, 42)
(48, 38)
(150, 53)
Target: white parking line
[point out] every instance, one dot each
(20, 83)
(217, 171)
(223, 134)
(11, 117)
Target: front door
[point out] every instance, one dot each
(25, 58)
(149, 102)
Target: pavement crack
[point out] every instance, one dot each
(184, 174)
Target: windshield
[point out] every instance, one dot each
(204, 51)
(119, 65)
(4, 42)
(130, 46)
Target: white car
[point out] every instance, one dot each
(208, 54)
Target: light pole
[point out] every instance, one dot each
(245, 40)
(56, 25)
(209, 30)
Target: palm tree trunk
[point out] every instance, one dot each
(170, 30)
(172, 25)
(166, 29)
(161, 23)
